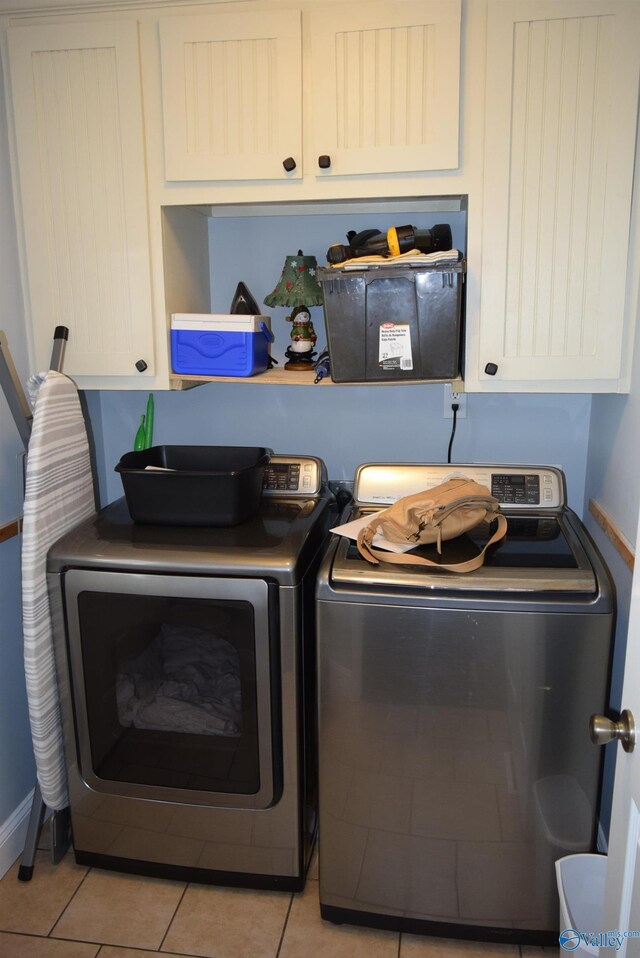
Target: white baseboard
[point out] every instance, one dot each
(13, 832)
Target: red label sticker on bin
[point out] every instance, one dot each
(394, 350)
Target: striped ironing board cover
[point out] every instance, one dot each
(58, 495)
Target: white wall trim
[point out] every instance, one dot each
(13, 832)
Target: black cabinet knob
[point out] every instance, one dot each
(491, 369)
(324, 161)
(289, 164)
(141, 365)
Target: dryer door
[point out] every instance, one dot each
(171, 678)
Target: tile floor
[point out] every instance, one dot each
(71, 911)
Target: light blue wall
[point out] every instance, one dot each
(17, 776)
(613, 465)
(345, 425)
(348, 425)
(253, 249)
(17, 770)
(612, 481)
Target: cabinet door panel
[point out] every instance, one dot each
(78, 119)
(562, 94)
(231, 95)
(386, 86)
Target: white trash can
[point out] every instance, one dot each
(581, 880)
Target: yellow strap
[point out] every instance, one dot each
(392, 241)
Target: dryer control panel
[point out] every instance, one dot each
(516, 487)
(293, 476)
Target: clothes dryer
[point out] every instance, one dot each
(186, 664)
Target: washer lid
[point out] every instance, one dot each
(542, 552)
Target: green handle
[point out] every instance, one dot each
(148, 429)
(138, 443)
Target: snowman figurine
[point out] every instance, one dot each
(303, 338)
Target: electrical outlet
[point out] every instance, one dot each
(453, 396)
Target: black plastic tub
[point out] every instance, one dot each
(389, 323)
(193, 485)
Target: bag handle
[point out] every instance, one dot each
(365, 538)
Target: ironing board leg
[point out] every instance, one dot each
(36, 818)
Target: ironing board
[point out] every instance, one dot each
(58, 494)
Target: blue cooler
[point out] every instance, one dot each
(204, 344)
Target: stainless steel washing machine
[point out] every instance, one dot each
(455, 760)
(186, 664)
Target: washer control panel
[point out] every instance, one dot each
(515, 487)
(521, 488)
(293, 476)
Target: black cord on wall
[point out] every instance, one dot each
(454, 408)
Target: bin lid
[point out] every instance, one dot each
(220, 322)
(445, 261)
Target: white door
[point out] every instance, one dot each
(77, 103)
(385, 86)
(622, 897)
(232, 96)
(561, 108)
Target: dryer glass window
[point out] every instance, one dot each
(171, 690)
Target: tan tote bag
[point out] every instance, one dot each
(443, 512)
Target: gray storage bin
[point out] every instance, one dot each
(389, 323)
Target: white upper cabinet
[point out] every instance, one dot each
(77, 110)
(306, 101)
(232, 96)
(386, 86)
(383, 89)
(560, 131)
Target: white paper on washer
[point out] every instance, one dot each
(351, 530)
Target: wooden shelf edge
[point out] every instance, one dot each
(274, 377)
(281, 377)
(10, 529)
(610, 529)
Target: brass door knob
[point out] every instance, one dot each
(603, 730)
